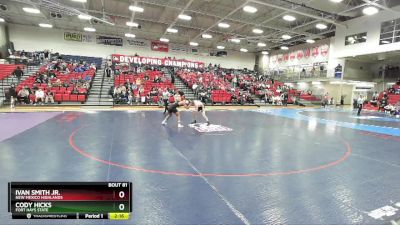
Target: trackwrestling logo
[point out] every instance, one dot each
(203, 128)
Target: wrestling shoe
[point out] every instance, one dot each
(193, 122)
(208, 123)
(164, 123)
(180, 125)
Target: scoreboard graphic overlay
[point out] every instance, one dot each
(70, 200)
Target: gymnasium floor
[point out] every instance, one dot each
(266, 166)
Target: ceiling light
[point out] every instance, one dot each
(336, 1)
(316, 82)
(129, 35)
(194, 44)
(321, 26)
(132, 24)
(289, 18)
(264, 52)
(45, 25)
(370, 10)
(310, 41)
(385, 42)
(220, 47)
(207, 36)
(172, 30)
(82, 1)
(284, 48)
(164, 40)
(244, 50)
(2, 20)
(286, 37)
(85, 17)
(184, 17)
(257, 31)
(250, 9)
(136, 8)
(261, 44)
(31, 10)
(224, 25)
(89, 29)
(235, 40)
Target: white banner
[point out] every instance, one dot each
(138, 43)
(178, 48)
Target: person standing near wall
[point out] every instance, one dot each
(360, 103)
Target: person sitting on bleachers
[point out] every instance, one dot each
(38, 78)
(65, 84)
(87, 78)
(374, 100)
(153, 92)
(49, 97)
(156, 79)
(389, 109)
(39, 96)
(23, 95)
(57, 83)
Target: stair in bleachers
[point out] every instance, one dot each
(189, 94)
(98, 95)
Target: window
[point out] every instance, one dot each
(390, 32)
(356, 38)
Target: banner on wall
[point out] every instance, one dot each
(324, 50)
(178, 48)
(315, 51)
(138, 42)
(68, 36)
(285, 57)
(106, 40)
(292, 56)
(310, 55)
(156, 61)
(307, 53)
(87, 38)
(159, 46)
(300, 54)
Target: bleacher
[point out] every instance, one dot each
(223, 95)
(61, 94)
(7, 69)
(148, 85)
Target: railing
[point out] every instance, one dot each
(300, 75)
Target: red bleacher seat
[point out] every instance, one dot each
(81, 98)
(65, 97)
(73, 98)
(58, 97)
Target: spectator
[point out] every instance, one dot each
(108, 73)
(39, 96)
(49, 97)
(23, 95)
(360, 103)
(18, 73)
